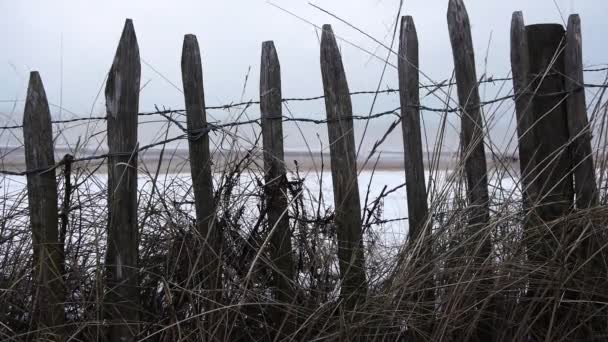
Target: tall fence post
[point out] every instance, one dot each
(520, 65)
(49, 292)
(417, 206)
(202, 178)
(585, 185)
(590, 242)
(409, 96)
(122, 102)
(553, 163)
(473, 151)
(275, 176)
(344, 171)
(553, 180)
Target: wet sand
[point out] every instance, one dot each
(177, 160)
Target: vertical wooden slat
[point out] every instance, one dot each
(585, 185)
(201, 169)
(553, 183)
(520, 66)
(590, 241)
(49, 292)
(546, 43)
(417, 206)
(473, 152)
(275, 177)
(471, 120)
(344, 171)
(122, 103)
(409, 96)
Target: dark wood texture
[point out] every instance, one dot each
(473, 154)
(520, 66)
(585, 185)
(201, 164)
(276, 183)
(590, 261)
(417, 207)
(207, 247)
(344, 171)
(409, 96)
(274, 167)
(122, 103)
(554, 200)
(546, 43)
(471, 121)
(48, 292)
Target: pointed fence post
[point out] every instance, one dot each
(275, 176)
(520, 66)
(417, 206)
(49, 294)
(473, 151)
(202, 179)
(471, 120)
(344, 172)
(409, 95)
(522, 88)
(585, 185)
(585, 188)
(122, 303)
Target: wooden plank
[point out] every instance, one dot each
(585, 185)
(409, 96)
(471, 120)
(473, 153)
(49, 291)
(209, 238)
(122, 103)
(344, 171)
(520, 66)
(548, 239)
(274, 167)
(587, 238)
(553, 183)
(417, 206)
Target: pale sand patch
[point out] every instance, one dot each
(177, 160)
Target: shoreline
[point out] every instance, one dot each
(177, 161)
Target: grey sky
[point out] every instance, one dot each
(230, 34)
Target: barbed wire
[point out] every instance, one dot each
(434, 87)
(197, 134)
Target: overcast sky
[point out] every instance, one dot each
(72, 43)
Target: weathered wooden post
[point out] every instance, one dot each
(49, 292)
(209, 236)
(122, 302)
(409, 95)
(471, 120)
(275, 176)
(585, 185)
(554, 187)
(473, 152)
(417, 206)
(520, 66)
(553, 181)
(585, 234)
(344, 171)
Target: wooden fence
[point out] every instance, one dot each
(554, 151)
